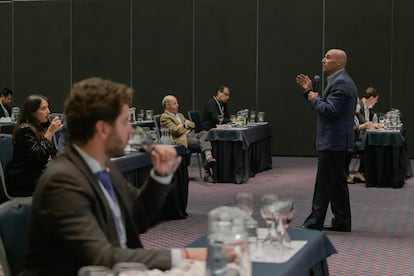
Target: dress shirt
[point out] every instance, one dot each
(6, 113)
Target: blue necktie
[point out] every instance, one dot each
(105, 179)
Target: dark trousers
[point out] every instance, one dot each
(330, 187)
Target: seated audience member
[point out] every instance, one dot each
(6, 96)
(216, 106)
(33, 145)
(84, 212)
(369, 99)
(360, 126)
(182, 132)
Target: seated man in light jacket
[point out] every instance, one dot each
(182, 132)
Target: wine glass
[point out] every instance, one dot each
(283, 215)
(141, 140)
(267, 209)
(244, 201)
(220, 118)
(94, 270)
(125, 269)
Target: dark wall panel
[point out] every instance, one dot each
(41, 48)
(162, 52)
(6, 68)
(225, 51)
(403, 60)
(290, 42)
(101, 39)
(366, 39)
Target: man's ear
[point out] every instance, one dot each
(102, 128)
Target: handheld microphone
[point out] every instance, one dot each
(315, 83)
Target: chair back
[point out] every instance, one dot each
(6, 155)
(157, 120)
(194, 116)
(14, 225)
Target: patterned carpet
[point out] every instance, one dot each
(381, 241)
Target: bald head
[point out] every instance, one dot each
(334, 60)
(170, 103)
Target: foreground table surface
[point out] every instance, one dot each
(310, 260)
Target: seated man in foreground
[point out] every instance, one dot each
(183, 133)
(84, 212)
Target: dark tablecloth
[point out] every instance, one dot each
(310, 260)
(7, 128)
(136, 167)
(148, 124)
(240, 153)
(386, 159)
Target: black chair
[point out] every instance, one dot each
(6, 155)
(14, 225)
(194, 116)
(157, 120)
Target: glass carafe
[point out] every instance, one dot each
(228, 252)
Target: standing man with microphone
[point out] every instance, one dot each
(334, 136)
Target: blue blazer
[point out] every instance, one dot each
(336, 109)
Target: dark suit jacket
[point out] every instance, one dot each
(336, 109)
(210, 112)
(30, 157)
(8, 108)
(72, 224)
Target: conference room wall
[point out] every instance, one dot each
(41, 40)
(188, 47)
(6, 45)
(402, 66)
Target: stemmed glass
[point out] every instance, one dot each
(267, 209)
(283, 215)
(244, 201)
(220, 118)
(141, 140)
(94, 270)
(125, 269)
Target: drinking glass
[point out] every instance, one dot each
(141, 140)
(149, 113)
(382, 120)
(252, 118)
(260, 116)
(220, 118)
(267, 209)
(244, 201)
(283, 215)
(129, 269)
(94, 270)
(132, 115)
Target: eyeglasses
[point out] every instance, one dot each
(227, 94)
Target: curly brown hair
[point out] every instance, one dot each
(91, 100)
